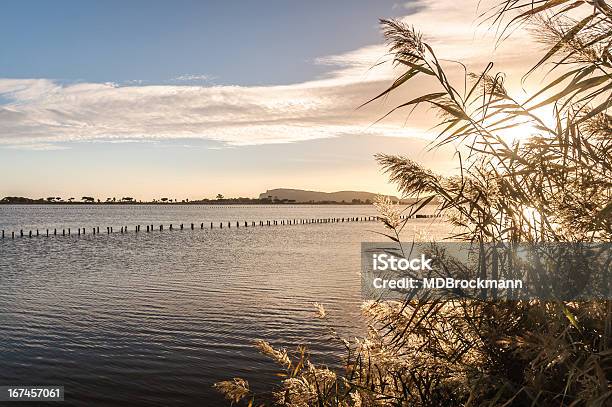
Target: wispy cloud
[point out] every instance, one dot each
(43, 112)
(37, 147)
(191, 78)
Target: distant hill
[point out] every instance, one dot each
(299, 195)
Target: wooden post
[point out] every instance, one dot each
(12, 235)
(192, 226)
(79, 231)
(161, 227)
(202, 225)
(3, 233)
(211, 225)
(37, 233)
(21, 232)
(47, 232)
(98, 229)
(54, 232)
(220, 225)
(30, 233)
(171, 226)
(181, 226)
(63, 232)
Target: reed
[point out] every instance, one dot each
(554, 186)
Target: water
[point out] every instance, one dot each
(157, 318)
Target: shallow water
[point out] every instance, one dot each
(157, 318)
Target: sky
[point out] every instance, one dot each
(189, 99)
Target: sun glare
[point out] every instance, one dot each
(522, 131)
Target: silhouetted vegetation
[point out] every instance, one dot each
(554, 186)
(205, 201)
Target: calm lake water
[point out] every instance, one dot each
(156, 318)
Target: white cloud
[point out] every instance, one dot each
(193, 78)
(37, 147)
(42, 112)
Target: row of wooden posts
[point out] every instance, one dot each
(151, 228)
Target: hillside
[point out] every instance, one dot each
(299, 195)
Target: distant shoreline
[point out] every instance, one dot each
(270, 197)
(212, 203)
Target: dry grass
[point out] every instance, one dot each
(554, 187)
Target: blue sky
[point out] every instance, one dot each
(241, 43)
(196, 98)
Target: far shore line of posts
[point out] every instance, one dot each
(193, 226)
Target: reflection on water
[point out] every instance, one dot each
(155, 319)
